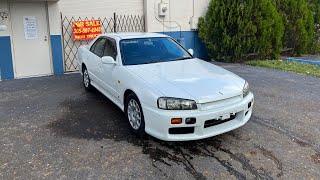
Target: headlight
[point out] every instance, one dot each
(245, 89)
(176, 104)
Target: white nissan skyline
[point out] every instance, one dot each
(162, 88)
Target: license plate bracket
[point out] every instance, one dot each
(226, 116)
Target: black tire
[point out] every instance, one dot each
(86, 82)
(140, 131)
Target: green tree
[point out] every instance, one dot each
(269, 30)
(314, 45)
(232, 29)
(298, 22)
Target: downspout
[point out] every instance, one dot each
(193, 9)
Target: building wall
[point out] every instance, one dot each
(100, 8)
(7, 49)
(6, 64)
(55, 37)
(179, 12)
(176, 23)
(178, 15)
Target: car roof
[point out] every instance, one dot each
(133, 35)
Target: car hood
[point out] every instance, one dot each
(190, 79)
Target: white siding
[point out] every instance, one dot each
(54, 18)
(100, 8)
(53, 12)
(179, 11)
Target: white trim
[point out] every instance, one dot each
(49, 37)
(33, 76)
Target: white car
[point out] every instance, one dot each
(162, 89)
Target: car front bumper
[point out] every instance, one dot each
(158, 122)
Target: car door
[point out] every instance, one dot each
(94, 60)
(106, 71)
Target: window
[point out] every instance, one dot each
(151, 50)
(110, 49)
(98, 46)
(93, 46)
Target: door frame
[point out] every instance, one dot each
(12, 37)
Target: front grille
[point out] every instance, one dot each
(214, 122)
(221, 103)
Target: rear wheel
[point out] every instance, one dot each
(134, 115)
(86, 79)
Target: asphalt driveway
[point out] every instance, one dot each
(51, 128)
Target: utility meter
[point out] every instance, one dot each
(3, 27)
(162, 9)
(194, 23)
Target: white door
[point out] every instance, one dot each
(94, 60)
(30, 39)
(106, 71)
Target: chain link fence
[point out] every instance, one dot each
(117, 23)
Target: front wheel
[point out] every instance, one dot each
(134, 115)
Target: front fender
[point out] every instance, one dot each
(144, 91)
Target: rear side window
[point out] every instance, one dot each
(98, 47)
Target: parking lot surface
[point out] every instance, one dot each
(50, 128)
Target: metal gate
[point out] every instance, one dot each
(117, 23)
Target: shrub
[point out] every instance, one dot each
(232, 29)
(298, 22)
(314, 45)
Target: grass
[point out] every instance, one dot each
(295, 67)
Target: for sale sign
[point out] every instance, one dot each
(86, 30)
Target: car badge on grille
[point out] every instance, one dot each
(221, 93)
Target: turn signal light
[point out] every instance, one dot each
(176, 120)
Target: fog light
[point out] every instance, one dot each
(191, 120)
(176, 120)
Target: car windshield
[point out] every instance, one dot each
(151, 50)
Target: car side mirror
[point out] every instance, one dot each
(191, 51)
(107, 60)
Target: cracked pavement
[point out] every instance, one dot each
(52, 129)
